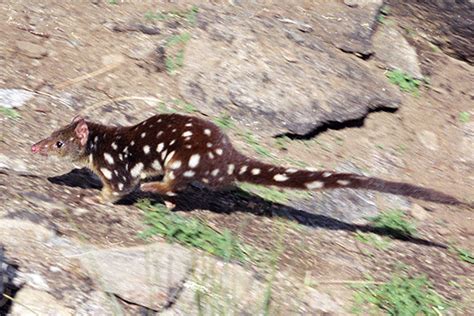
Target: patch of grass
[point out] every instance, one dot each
(383, 13)
(401, 296)
(282, 142)
(394, 222)
(405, 82)
(175, 61)
(224, 121)
(463, 254)
(163, 108)
(191, 232)
(10, 113)
(374, 240)
(112, 1)
(464, 117)
(259, 149)
(190, 15)
(187, 107)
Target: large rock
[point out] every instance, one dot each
(399, 54)
(160, 275)
(14, 98)
(231, 67)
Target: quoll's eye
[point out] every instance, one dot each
(59, 144)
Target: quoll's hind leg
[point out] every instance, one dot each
(167, 186)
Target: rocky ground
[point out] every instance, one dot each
(301, 84)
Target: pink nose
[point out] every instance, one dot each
(35, 148)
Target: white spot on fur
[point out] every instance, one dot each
(176, 164)
(96, 139)
(159, 134)
(120, 186)
(120, 157)
(255, 171)
(109, 158)
(314, 185)
(215, 172)
(194, 160)
(211, 155)
(187, 134)
(107, 173)
(174, 130)
(189, 174)
(142, 135)
(160, 147)
(243, 169)
(136, 170)
(115, 193)
(114, 146)
(326, 174)
(188, 124)
(291, 170)
(125, 149)
(230, 169)
(172, 142)
(132, 143)
(169, 157)
(219, 151)
(146, 149)
(205, 180)
(207, 131)
(156, 165)
(171, 175)
(188, 146)
(209, 145)
(280, 177)
(116, 172)
(343, 182)
(163, 154)
(187, 139)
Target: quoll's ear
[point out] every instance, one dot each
(77, 118)
(82, 131)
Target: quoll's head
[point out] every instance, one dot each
(68, 141)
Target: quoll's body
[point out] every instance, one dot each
(185, 149)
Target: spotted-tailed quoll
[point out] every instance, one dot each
(184, 149)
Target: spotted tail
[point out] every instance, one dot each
(256, 172)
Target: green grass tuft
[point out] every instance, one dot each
(259, 149)
(191, 232)
(405, 82)
(400, 296)
(374, 240)
(464, 117)
(463, 254)
(224, 121)
(10, 113)
(394, 222)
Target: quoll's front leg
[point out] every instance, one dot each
(165, 187)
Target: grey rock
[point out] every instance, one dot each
(428, 139)
(350, 27)
(323, 303)
(34, 280)
(31, 302)
(146, 275)
(399, 54)
(271, 92)
(14, 98)
(31, 50)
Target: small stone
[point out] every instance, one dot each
(419, 212)
(428, 139)
(31, 50)
(443, 231)
(54, 269)
(79, 211)
(112, 59)
(14, 98)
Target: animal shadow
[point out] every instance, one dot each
(197, 196)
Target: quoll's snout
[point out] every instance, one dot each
(35, 148)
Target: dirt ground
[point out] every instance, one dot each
(78, 40)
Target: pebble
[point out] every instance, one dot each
(31, 50)
(428, 139)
